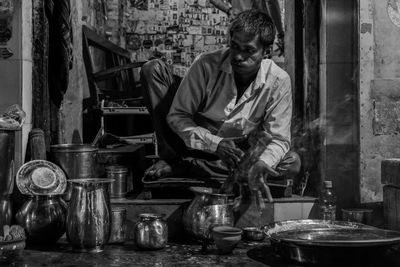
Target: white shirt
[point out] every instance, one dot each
(204, 109)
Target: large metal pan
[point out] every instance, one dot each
(328, 242)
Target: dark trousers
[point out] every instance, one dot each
(159, 88)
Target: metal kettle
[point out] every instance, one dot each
(207, 209)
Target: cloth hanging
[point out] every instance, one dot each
(60, 54)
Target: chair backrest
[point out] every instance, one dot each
(110, 72)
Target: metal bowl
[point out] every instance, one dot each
(253, 234)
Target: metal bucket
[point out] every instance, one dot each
(76, 160)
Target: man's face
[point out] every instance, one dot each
(247, 53)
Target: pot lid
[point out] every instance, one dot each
(41, 177)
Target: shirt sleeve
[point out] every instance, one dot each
(189, 96)
(277, 122)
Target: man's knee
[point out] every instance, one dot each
(296, 162)
(290, 165)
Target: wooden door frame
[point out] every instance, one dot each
(302, 64)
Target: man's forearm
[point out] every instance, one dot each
(275, 152)
(221, 5)
(194, 136)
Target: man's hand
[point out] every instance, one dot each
(228, 152)
(257, 178)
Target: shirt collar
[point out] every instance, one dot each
(262, 73)
(225, 64)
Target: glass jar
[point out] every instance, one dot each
(151, 232)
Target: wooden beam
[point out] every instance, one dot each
(40, 88)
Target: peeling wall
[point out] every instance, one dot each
(379, 91)
(16, 67)
(82, 12)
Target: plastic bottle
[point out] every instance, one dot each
(327, 202)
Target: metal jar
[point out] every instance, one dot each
(118, 188)
(76, 160)
(89, 214)
(43, 218)
(118, 226)
(207, 209)
(151, 232)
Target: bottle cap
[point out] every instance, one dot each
(328, 184)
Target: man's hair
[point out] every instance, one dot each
(254, 22)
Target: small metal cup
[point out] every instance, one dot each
(357, 215)
(118, 225)
(253, 234)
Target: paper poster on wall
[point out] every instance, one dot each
(6, 15)
(393, 9)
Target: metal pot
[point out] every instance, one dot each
(76, 160)
(43, 218)
(89, 214)
(151, 232)
(207, 209)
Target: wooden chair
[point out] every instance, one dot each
(119, 77)
(114, 87)
(114, 81)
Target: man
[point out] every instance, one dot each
(226, 95)
(233, 7)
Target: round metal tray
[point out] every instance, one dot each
(326, 242)
(41, 177)
(300, 225)
(341, 237)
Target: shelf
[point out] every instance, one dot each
(120, 149)
(125, 110)
(139, 139)
(170, 201)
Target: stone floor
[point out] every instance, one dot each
(246, 254)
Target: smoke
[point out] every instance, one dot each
(338, 126)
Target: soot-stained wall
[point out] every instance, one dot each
(379, 91)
